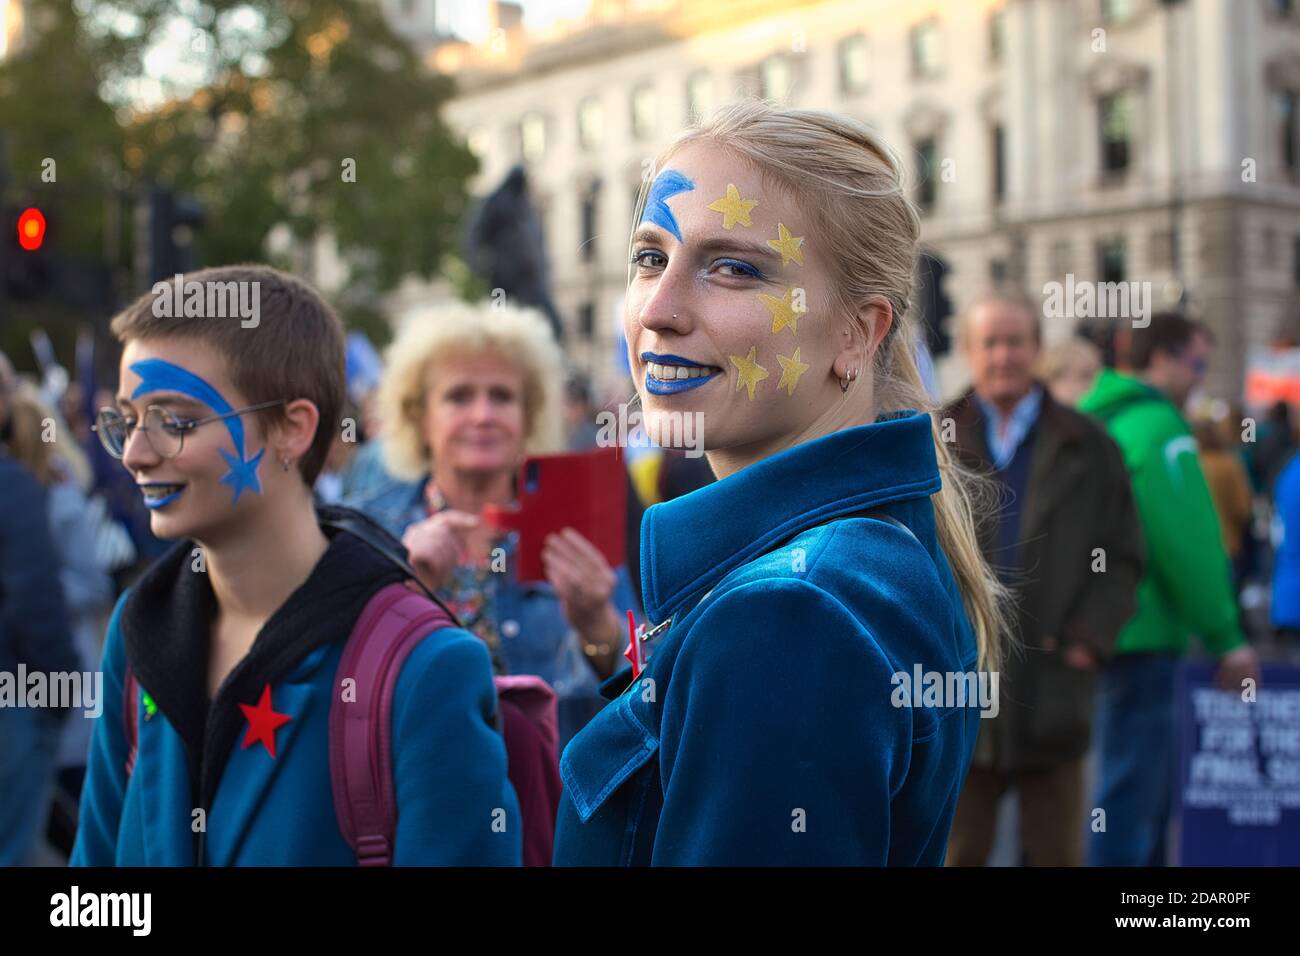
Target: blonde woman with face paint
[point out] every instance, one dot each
(824, 633)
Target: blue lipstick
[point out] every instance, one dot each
(153, 504)
(659, 386)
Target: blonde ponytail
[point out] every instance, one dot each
(963, 494)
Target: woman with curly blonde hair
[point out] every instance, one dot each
(469, 390)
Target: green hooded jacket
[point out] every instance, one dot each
(1187, 587)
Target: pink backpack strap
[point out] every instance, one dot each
(529, 724)
(536, 699)
(360, 730)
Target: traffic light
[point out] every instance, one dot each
(37, 268)
(174, 219)
(31, 229)
(25, 267)
(934, 305)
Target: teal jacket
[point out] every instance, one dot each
(206, 790)
(769, 726)
(1187, 586)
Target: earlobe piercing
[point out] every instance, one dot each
(284, 462)
(844, 385)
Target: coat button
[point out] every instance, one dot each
(1049, 643)
(510, 628)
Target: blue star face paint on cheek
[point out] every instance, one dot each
(157, 375)
(666, 185)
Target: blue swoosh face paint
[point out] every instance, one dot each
(666, 185)
(157, 375)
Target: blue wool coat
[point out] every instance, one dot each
(767, 727)
(455, 805)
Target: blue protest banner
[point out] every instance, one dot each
(1238, 795)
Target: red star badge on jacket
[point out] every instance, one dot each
(262, 722)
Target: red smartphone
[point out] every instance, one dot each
(586, 491)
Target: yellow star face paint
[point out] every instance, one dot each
(783, 310)
(787, 245)
(734, 209)
(714, 305)
(791, 369)
(750, 372)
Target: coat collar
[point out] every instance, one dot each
(1056, 427)
(690, 543)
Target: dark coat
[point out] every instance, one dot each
(34, 626)
(1078, 500)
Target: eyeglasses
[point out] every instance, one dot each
(163, 430)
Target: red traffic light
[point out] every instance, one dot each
(31, 229)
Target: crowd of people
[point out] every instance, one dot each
(1061, 523)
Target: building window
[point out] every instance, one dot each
(853, 64)
(1269, 249)
(927, 191)
(997, 35)
(1061, 257)
(1111, 260)
(587, 213)
(999, 146)
(1284, 106)
(587, 321)
(532, 136)
(1160, 253)
(699, 96)
(774, 78)
(926, 53)
(1116, 11)
(1282, 8)
(997, 270)
(591, 123)
(1116, 114)
(644, 113)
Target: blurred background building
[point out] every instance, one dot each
(1135, 141)
(1114, 140)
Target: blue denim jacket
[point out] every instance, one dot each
(535, 636)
